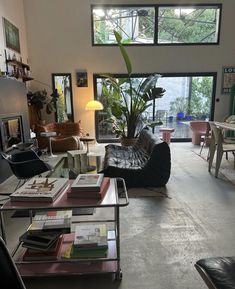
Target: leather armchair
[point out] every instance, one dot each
(68, 136)
(217, 272)
(9, 274)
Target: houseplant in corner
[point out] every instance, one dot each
(129, 100)
(39, 99)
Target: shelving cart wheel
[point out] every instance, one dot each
(118, 275)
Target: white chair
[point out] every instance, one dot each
(220, 146)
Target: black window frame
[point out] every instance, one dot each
(180, 74)
(155, 36)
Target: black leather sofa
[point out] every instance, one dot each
(146, 164)
(217, 272)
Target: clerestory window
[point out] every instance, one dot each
(157, 24)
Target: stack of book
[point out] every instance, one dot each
(89, 186)
(44, 238)
(40, 190)
(90, 241)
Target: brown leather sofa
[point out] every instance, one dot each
(67, 138)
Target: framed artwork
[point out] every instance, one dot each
(11, 35)
(64, 105)
(82, 79)
(228, 78)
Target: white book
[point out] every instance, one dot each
(87, 182)
(40, 189)
(91, 235)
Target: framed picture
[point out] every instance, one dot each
(228, 78)
(11, 35)
(64, 105)
(82, 79)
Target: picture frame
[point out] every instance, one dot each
(82, 80)
(228, 79)
(12, 37)
(62, 82)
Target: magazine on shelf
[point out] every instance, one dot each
(42, 241)
(40, 189)
(51, 221)
(91, 235)
(91, 194)
(87, 182)
(51, 254)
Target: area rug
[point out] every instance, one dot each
(146, 192)
(226, 170)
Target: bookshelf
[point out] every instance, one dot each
(109, 264)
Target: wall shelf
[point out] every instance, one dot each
(19, 69)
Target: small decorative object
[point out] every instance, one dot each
(228, 79)
(11, 35)
(82, 79)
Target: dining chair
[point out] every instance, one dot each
(206, 137)
(219, 146)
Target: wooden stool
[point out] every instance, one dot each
(166, 134)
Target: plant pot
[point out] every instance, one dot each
(128, 141)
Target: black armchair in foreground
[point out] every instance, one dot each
(217, 272)
(25, 165)
(9, 274)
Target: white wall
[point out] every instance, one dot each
(59, 40)
(13, 11)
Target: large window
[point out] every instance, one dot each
(156, 24)
(187, 97)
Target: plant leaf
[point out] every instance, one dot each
(123, 52)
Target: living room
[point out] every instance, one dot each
(56, 37)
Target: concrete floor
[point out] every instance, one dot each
(162, 238)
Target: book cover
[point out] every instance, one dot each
(91, 194)
(91, 235)
(40, 241)
(87, 182)
(51, 254)
(51, 221)
(73, 252)
(40, 189)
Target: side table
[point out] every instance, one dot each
(77, 161)
(86, 140)
(166, 134)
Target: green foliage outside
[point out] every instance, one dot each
(194, 26)
(197, 104)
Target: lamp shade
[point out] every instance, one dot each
(94, 105)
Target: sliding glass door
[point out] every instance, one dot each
(188, 97)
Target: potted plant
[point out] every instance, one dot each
(39, 100)
(128, 100)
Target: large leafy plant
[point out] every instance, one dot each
(39, 99)
(127, 99)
